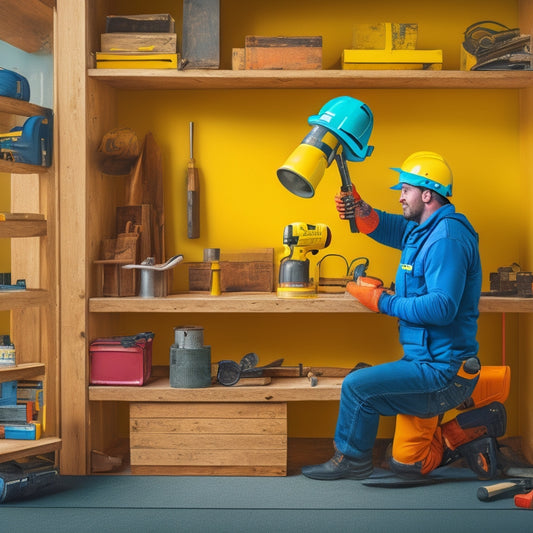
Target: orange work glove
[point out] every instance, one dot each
(366, 218)
(367, 290)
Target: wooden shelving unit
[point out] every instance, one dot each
(90, 95)
(34, 319)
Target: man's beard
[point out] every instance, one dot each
(413, 215)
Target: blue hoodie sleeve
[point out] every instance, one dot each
(445, 276)
(391, 229)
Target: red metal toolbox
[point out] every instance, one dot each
(121, 360)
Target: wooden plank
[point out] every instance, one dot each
(172, 470)
(315, 79)
(208, 410)
(208, 442)
(10, 167)
(22, 228)
(22, 371)
(138, 42)
(11, 449)
(201, 34)
(75, 195)
(280, 390)
(27, 25)
(209, 426)
(141, 456)
(20, 300)
(270, 303)
(21, 107)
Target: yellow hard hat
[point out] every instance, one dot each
(426, 169)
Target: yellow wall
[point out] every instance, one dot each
(242, 137)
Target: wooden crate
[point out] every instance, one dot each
(240, 271)
(225, 439)
(283, 53)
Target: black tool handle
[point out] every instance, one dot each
(348, 200)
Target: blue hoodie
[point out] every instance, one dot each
(438, 285)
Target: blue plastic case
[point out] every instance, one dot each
(14, 85)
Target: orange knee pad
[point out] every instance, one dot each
(493, 386)
(417, 442)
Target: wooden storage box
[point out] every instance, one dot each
(283, 53)
(244, 271)
(224, 439)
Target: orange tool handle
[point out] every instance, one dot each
(524, 500)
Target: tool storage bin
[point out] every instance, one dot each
(121, 360)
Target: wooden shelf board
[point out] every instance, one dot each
(20, 299)
(21, 108)
(279, 390)
(15, 449)
(311, 79)
(22, 228)
(28, 25)
(22, 371)
(9, 167)
(270, 303)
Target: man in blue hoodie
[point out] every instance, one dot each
(436, 296)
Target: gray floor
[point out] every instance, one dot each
(241, 504)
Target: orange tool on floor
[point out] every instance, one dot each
(524, 500)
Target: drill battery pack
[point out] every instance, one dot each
(14, 85)
(30, 143)
(26, 480)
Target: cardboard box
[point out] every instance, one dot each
(283, 53)
(121, 360)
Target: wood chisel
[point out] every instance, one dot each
(193, 192)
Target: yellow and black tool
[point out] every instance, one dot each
(300, 239)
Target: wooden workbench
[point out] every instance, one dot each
(238, 430)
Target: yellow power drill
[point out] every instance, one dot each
(300, 239)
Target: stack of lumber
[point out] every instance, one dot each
(138, 41)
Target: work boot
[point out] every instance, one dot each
(340, 467)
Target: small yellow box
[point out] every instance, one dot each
(392, 59)
(389, 46)
(143, 61)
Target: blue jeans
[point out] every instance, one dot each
(401, 387)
